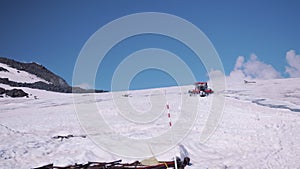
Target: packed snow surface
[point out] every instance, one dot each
(259, 128)
(19, 75)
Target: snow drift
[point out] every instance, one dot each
(259, 127)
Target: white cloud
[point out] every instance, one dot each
(237, 75)
(294, 64)
(239, 62)
(252, 69)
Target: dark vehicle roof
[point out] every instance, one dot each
(201, 83)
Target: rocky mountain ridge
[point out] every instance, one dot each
(55, 82)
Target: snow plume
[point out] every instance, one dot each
(294, 64)
(252, 69)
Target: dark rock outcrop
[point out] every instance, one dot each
(13, 92)
(16, 93)
(2, 91)
(3, 69)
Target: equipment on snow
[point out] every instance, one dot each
(201, 89)
(118, 165)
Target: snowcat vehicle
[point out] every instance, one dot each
(201, 89)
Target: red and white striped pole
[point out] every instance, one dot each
(169, 115)
(170, 125)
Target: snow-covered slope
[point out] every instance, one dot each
(35, 76)
(18, 75)
(260, 126)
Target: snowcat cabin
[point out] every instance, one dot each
(201, 86)
(201, 89)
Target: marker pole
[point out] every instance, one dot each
(170, 125)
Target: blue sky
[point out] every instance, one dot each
(52, 33)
